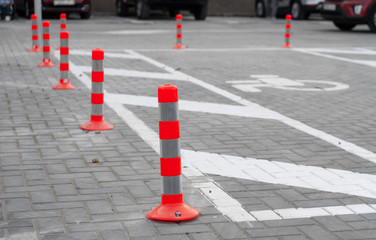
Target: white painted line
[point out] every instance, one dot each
(369, 63)
(354, 51)
(294, 213)
(193, 106)
(106, 54)
(273, 172)
(347, 146)
(135, 74)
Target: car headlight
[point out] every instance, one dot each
(358, 9)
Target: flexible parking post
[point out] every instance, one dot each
(34, 33)
(179, 44)
(46, 46)
(63, 24)
(96, 122)
(172, 207)
(287, 34)
(64, 63)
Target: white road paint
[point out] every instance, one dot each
(106, 54)
(294, 213)
(274, 172)
(274, 81)
(317, 52)
(259, 170)
(135, 74)
(347, 146)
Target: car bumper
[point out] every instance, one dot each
(81, 8)
(339, 15)
(178, 2)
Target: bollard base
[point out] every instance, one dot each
(286, 46)
(173, 212)
(97, 126)
(64, 86)
(179, 46)
(46, 63)
(173, 209)
(35, 49)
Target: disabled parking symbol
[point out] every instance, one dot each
(274, 81)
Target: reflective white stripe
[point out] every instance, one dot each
(172, 185)
(97, 109)
(64, 58)
(168, 111)
(64, 74)
(97, 87)
(170, 148)
(63, 42)
(97, 66)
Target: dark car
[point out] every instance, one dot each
(83, 7)
(198, 8)
(299, 9)
(346, 14)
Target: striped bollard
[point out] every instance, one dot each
(64, 63)
(172, 207)
(63, 24)
(287, 34)
(179, 44)
(96, 122)
(34, 34)
(46, 46)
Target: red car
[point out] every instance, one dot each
(346, 14)
(83, 7)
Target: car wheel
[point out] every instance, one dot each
(27, 9)
(85, 15)
(142, 9)
(297, 11)
(201, 12)
(260, 8)
(173, 12)
(344, 26)
(372, 20)
(121, 8)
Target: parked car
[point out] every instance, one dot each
(83, 7)
(7, 10)
(346, 14)
(199, 8)
(299, 9)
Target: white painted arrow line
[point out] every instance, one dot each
(135, 74)
(193, 106)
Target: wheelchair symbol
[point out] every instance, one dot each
(274, 81)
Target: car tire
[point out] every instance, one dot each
(121, 8)
(372, 20)
(260, 8)
(142, 9)
(27, 9)
(297, 11)
(85, 15)
(344, 26)
(201, 12)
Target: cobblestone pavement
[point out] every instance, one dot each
(276, 143)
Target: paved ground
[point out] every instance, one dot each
(276, 143)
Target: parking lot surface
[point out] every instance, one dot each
(276, 143)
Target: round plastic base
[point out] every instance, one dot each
(35, 49)
(179, 46)
(46, 64)
(97, 126)
(286, 46)
(64, 86)
(173, 212)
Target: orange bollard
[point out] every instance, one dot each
(179, 45)
(64, 63)
(46, 46)
(96, 122)
(287, 34)
(34, 33)
(172, 207)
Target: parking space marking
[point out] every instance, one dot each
(319, 52)
(274, 81)
(229, 206)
